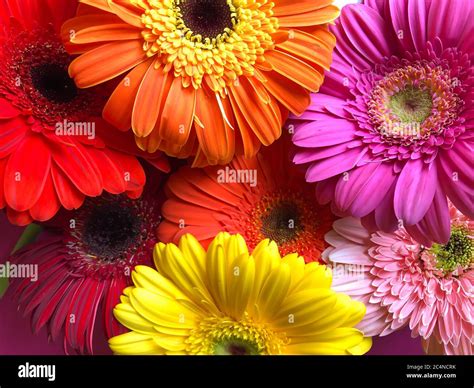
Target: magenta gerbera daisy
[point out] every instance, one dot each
(83, 265)
(404, 283)
(389, 138)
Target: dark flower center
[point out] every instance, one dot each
(235, 347)
(281, 222)
(53, 82)
(208, 18)
(110, 230)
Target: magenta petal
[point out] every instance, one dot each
(325, 190)
(364, 29)
(435, 225)
(442, 11)
(417, 11)
(346, 50)
(312, 155)
(324, 133)
(334, 165)
(364, 188)
(415, 191)
(420, 233)
(466, 42)
(340, 79)
(399, 19)
(457, 176)
(385, 214)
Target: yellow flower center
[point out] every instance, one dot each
(224, 336)
(216, 41)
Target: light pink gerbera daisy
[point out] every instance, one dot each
(390, 136)
(404, 283)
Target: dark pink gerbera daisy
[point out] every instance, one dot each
(389, 138)
(83, 265)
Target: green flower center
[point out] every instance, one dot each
(411, 105)
(459, 251)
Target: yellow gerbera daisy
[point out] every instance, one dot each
(227, 301)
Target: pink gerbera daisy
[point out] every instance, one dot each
(84, 263)
(404, 283)
(390, 137)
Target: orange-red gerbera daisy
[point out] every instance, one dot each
(210, 78)
(259, 198)
(55, 147)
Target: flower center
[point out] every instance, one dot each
(235, 347)
(412, 105)
(110, 230)
(288, 216)
(34, 78)
(281, 222)
(216, 41)
(458, 252)
(225, 336)
(414, 102)
(53, 82)
(207, 18)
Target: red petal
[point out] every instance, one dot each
(112, 174)
(12, 132)
(26, 173)
(3, 164)
(131, 170)
(79, 167)
(69, 196)
(48, 203)
(7, 110)
(19, 218)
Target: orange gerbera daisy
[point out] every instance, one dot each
(210, 78)
(258, 198)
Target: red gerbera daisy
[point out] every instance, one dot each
(262, 197)
(83, 265)
(53, 151)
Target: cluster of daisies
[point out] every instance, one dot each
(240, 176)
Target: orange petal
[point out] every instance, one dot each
(294, 69)
(101, 4)
(319, 16)
(308, 47)
(257, 111)
(101, 32)
(127, 12)
(216, 138)
(150, 101)
(293, 97)
(118, 110)
(292, 7)
(177, 117)
(106, 62)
